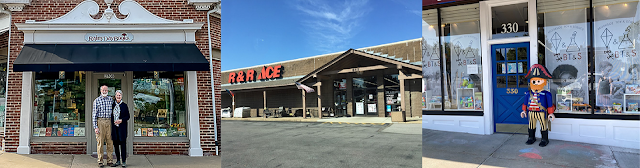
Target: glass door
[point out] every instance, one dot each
(340, 102)
(114, 82)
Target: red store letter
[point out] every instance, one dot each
(250, 75)
(232, 77)
(240, 77)
(276, 71)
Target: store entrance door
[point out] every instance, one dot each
(510, 65)
(340, 102)
(114, 81)
(366, 102)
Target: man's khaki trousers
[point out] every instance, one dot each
(104, 125)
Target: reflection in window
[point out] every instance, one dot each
(392, 93)
(59, 104)
(462, 57)
(159, 109)
(617, 26)
(565, 30)
(366, 82)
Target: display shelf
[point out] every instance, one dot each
(564, 102)
(465, 102)
(625, 104)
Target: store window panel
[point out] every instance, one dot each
(159, 104)
(431, 69)
(462, 66)
(617, 64)
(564, 44)
(59, 104)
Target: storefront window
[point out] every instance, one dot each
(431, 71)
(617, 65)
(564, 44)
(364, 83)
(340, 84)
(159, 101)
(59, 104)
(462, 58)
(392, 95)
(515, 25)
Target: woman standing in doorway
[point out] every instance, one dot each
(119, 129)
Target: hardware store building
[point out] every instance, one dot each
(366, 82)
(159, 53)
(476, 54)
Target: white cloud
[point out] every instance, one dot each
(331, 25)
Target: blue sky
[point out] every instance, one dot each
(257, 32)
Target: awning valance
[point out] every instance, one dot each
(110, 57)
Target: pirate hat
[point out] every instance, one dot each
(539, 71)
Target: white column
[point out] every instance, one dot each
(487, 73)
(25, 113)
(533, 32)
(194, 120)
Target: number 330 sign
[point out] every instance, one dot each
(509, 27)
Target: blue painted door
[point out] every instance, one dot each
(510, 64)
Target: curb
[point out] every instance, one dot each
(356, 123)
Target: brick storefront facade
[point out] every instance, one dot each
(42, 10)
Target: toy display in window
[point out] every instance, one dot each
(538, 104)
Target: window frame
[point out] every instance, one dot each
(187, 116)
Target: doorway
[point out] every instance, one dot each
(510, 64)
(340, 102)
(115, 82)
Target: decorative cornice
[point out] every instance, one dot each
(203, 4)
(15, 5)
(135, 14)
(217, 10)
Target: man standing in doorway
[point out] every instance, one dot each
(102, 124)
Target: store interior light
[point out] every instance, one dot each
(625, 5)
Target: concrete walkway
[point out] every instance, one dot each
(80, 161)
(451, 149)
(410, 120)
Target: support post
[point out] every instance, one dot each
(233, 103)
(304, 103)
(402, 77)
(24, 146)
(264, 99)
(319, 97)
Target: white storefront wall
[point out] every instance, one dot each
(621, 133)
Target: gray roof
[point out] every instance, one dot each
(418, 63)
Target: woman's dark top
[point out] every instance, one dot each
(120, 133)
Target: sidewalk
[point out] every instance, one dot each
(451, 149)
(80, 161)
(410, 120)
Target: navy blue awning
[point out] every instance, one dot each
(110, 57)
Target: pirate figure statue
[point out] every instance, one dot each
(538, 104)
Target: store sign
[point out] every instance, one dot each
(108, 37)
(270, 72)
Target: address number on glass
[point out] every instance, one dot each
(109, 76)
(509, 27)
(512, 91)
